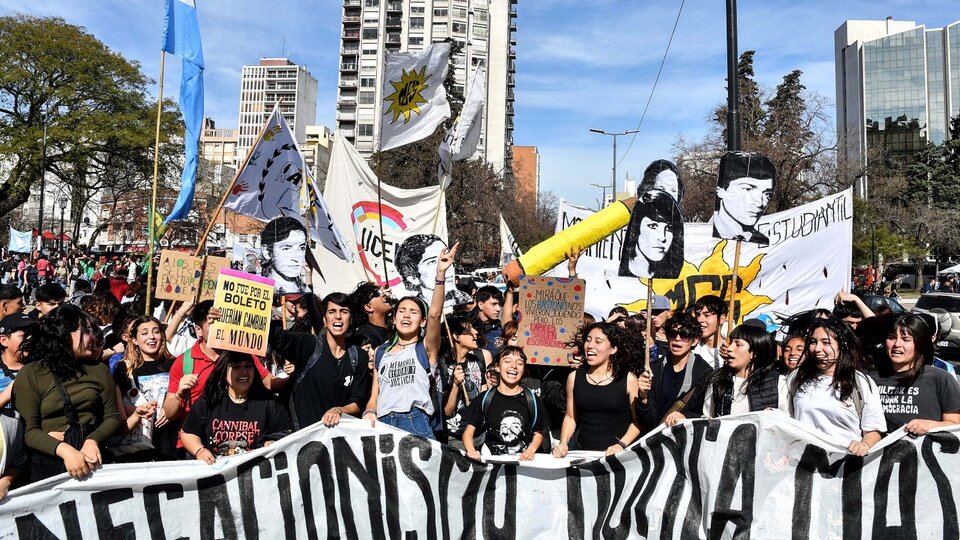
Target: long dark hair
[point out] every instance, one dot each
(627, 347)
(849, 360)
(658, 206)
(922, 334)
(764, 351)
(395, 336)
(455, 325)
(215, 391)
(52, 345)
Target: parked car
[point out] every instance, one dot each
(948, 347)
(874, 301)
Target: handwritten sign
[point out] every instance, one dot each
(551, 311)
(244, 301)
(211, 272)
(178, 276)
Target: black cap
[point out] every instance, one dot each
(16, 321)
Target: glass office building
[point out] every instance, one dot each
(898, 85)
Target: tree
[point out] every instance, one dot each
(790, 125)
(100, 122)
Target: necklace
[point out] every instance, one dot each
(407, 344)
(601, 381)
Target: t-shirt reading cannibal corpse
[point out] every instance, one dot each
(933, 393)
(234, 428)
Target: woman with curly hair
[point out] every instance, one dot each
(602, 394)
(829, 392)
(66, 396)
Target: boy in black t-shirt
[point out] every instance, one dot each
(511, 415)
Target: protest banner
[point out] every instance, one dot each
(779, 278)
(211, 273)
(551, 311)
(759, 475)
(244, 301)
(178, 276)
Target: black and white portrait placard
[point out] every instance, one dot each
(662, 175)
(653, 245)
(416, 262)
(283, 254)
(744, 187)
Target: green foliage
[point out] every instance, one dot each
(100, 121)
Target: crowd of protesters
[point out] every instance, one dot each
(88, 379)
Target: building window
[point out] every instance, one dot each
(370, 52)
(460, 12)
(440, 28)
(440, 12)
(461, 28)
(416, 40)
(479, 31)
(416, 23)
(372, 3)
(365, 130)
(369, 33)
(368, 82)
(480, 15)
(417, 10)
(373, 18)
(365, 98)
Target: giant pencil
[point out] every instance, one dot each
(549, 253)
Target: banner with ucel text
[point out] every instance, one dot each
(806, 264)
(760, 475)
(351, 194)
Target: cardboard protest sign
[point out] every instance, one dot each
(211, 273)
(654, 243)
(178, 276)
(551, 311)
(244, 301)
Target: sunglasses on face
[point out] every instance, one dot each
(673, 334)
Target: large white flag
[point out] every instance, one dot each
(805, 265)
(509, 250)
(275, 182)
(20, 241)
(414, 99)
(461, 139)
(405, 214)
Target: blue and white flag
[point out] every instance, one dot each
(20, 241)
(181, 37)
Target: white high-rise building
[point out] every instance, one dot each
(271, 81)
(483, 30)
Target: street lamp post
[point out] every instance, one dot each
(613, 182)
(63, 210)
(604, 187)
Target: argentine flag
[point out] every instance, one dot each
(181, 37)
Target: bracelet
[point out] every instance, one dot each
(368, 411)
(563, 444)
(440, 281)
(573, 276)
(622, 444)
(202, 448)
(338, 411)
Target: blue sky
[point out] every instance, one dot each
(581, 64)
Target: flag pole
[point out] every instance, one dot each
(213, 217)
(153, 198)
(733, 290)
(443, 190)
(383, 243)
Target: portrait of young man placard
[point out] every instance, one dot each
(744, 187)
(284, 251)
(416, 262)
(653, 246)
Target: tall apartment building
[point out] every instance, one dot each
(526, 170)
(898, 85)
(316, 152)
(484, 30)
(218, 145)
(271, 81)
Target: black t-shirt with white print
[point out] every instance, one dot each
(933, 393)
(234, 428)
(507, 423)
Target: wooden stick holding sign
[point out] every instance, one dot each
(453, 351)
(649, 334)
(733, 291)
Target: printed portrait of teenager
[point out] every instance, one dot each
(283, 252)
(416, 262)
(653, 246)
(662, 175)
(513, 436)
(744, 187)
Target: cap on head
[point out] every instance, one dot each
(16, 321)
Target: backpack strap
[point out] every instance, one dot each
(378, 355)
(354, 358)
(532, 407)
(485, 404)
(188, 361)
(312, 361)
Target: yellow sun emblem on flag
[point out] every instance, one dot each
(713, 276)
(407, 98)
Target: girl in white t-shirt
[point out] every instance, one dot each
(829, 392)
(402, 390)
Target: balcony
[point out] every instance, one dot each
(351, 35)
(348, 83)
(351, 3)
(351, 19)
(394, 6)
(347, 132)
(513, 13)
(347, 102)
(346, 117)
(393, 38)
(393, 22)
(351, 50)
(511, 81)
(348, 67)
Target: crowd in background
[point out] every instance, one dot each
(89, 379)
